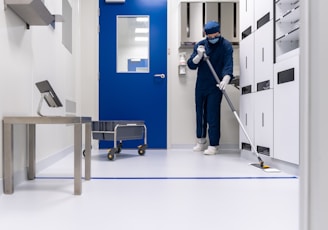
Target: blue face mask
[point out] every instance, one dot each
(213, 40)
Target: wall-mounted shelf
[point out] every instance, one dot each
(32, 12)
(187, 45)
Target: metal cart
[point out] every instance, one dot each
(118, 131)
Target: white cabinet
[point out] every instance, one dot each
(263, 121)
(287, 23)
(246, 9)
(256, 76)
(246, 62)
(263, 12)
(286, 109)
(264, 56)
(286, 81)
(246, 115)
(256, 115)
(269, 101)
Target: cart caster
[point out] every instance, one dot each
(119, 147)
(111, 154)
(142, 149)
(83, 152)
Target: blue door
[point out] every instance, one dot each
(133, 84)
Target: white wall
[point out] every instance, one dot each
(35, 54)
(31, 55)
(314, 113)
(28, 56)
(181, 106)
(89, 56)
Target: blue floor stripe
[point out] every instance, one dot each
(178, 178)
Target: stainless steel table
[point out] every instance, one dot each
(31, 122)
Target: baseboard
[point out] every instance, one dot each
(181, 146)
(50, 160)
(228, 147)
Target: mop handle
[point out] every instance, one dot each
(207, 59)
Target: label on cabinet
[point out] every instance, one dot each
(246, 32)
(264, 85)
(285, 76)
(262, 21)
(246, 89)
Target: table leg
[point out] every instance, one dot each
(87, 151)
(8, 159)
(78, 159)
(31, 151)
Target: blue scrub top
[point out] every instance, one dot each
(220, 56)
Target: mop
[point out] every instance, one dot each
(261, 162)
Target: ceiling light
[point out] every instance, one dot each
(142, 19)
(142, 30)
(141, 39)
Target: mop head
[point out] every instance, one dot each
(266, 168)
(260, 166)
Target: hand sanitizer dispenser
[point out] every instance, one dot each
(182, 64)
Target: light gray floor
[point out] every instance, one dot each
(166, 189)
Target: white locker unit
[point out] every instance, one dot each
(246, 115)
(286, 81)
(286, 109)
(256, 77)
(246, 9)
(246, 62)
(256, 74)
(264, 56)
(269, 102)
(263, 122)
(263, 12)
(287, 24)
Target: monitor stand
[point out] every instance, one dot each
(50, 101)
(40, 105)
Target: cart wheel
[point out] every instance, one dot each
(141, 152)
(142, 149)
(111, 156)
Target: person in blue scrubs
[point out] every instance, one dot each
(208, 94)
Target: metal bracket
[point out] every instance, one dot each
(59, 18)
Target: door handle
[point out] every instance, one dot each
(161, 75)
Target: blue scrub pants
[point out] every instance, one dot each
(208, 112)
